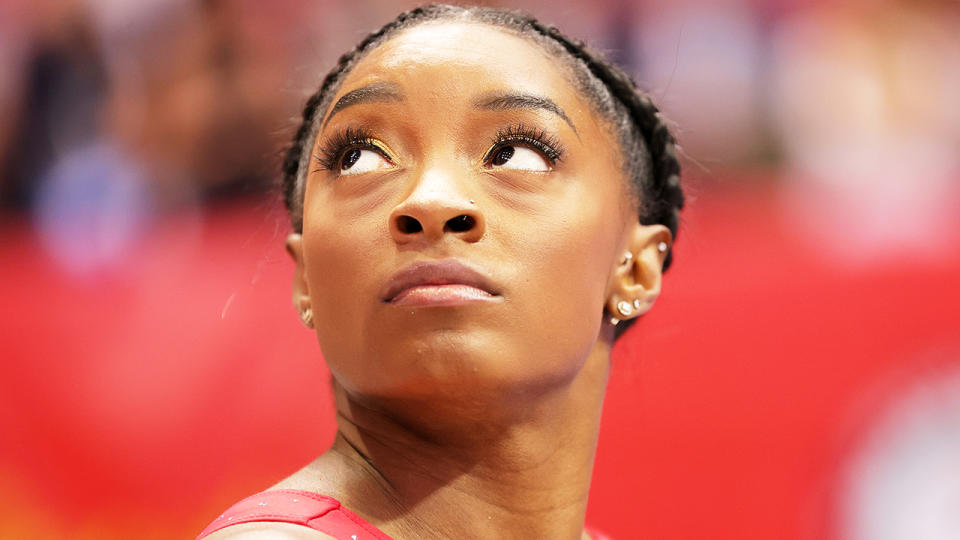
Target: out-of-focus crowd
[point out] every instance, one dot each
(116, 111)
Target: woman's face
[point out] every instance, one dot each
(464, 215)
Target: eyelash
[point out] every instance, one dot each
(333, 149)
(538, 139)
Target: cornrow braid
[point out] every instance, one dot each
(647, 145)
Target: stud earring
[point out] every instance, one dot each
(614, 321)
(307, 317)
(627, 257)
(637, 304)
(662, 247)
(625, 308)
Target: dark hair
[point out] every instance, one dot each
(647, 146)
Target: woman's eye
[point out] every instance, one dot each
(361, 160)
(518, 158)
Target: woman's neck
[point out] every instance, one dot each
(525, 474)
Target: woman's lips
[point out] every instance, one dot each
(451, 294)
(438, 283)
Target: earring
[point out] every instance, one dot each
(627, 257)
(637, 304)
(614, 321)
(307, 317)
(662, 247)
(625, 308)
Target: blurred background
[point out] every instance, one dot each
(798, 379)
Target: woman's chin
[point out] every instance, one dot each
(457, 361)
(461, 366)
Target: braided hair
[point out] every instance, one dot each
(647, 146)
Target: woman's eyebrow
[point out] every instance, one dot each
(378, 92)
(499, 102)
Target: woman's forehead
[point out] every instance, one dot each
(474, 56)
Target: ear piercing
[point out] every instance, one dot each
(624, 308)
(307, 317)
(628, 256)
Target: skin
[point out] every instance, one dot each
(477, 420)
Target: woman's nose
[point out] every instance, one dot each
(437, 206)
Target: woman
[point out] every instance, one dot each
(480, 206)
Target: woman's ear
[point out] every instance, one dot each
(301, 292)
(639, 271)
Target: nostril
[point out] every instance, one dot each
(408, 225)
(461, 223)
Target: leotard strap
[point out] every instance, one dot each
(318, 512)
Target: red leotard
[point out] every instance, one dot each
(318, 512)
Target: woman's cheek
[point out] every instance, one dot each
(571, 264)
(337, 265)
